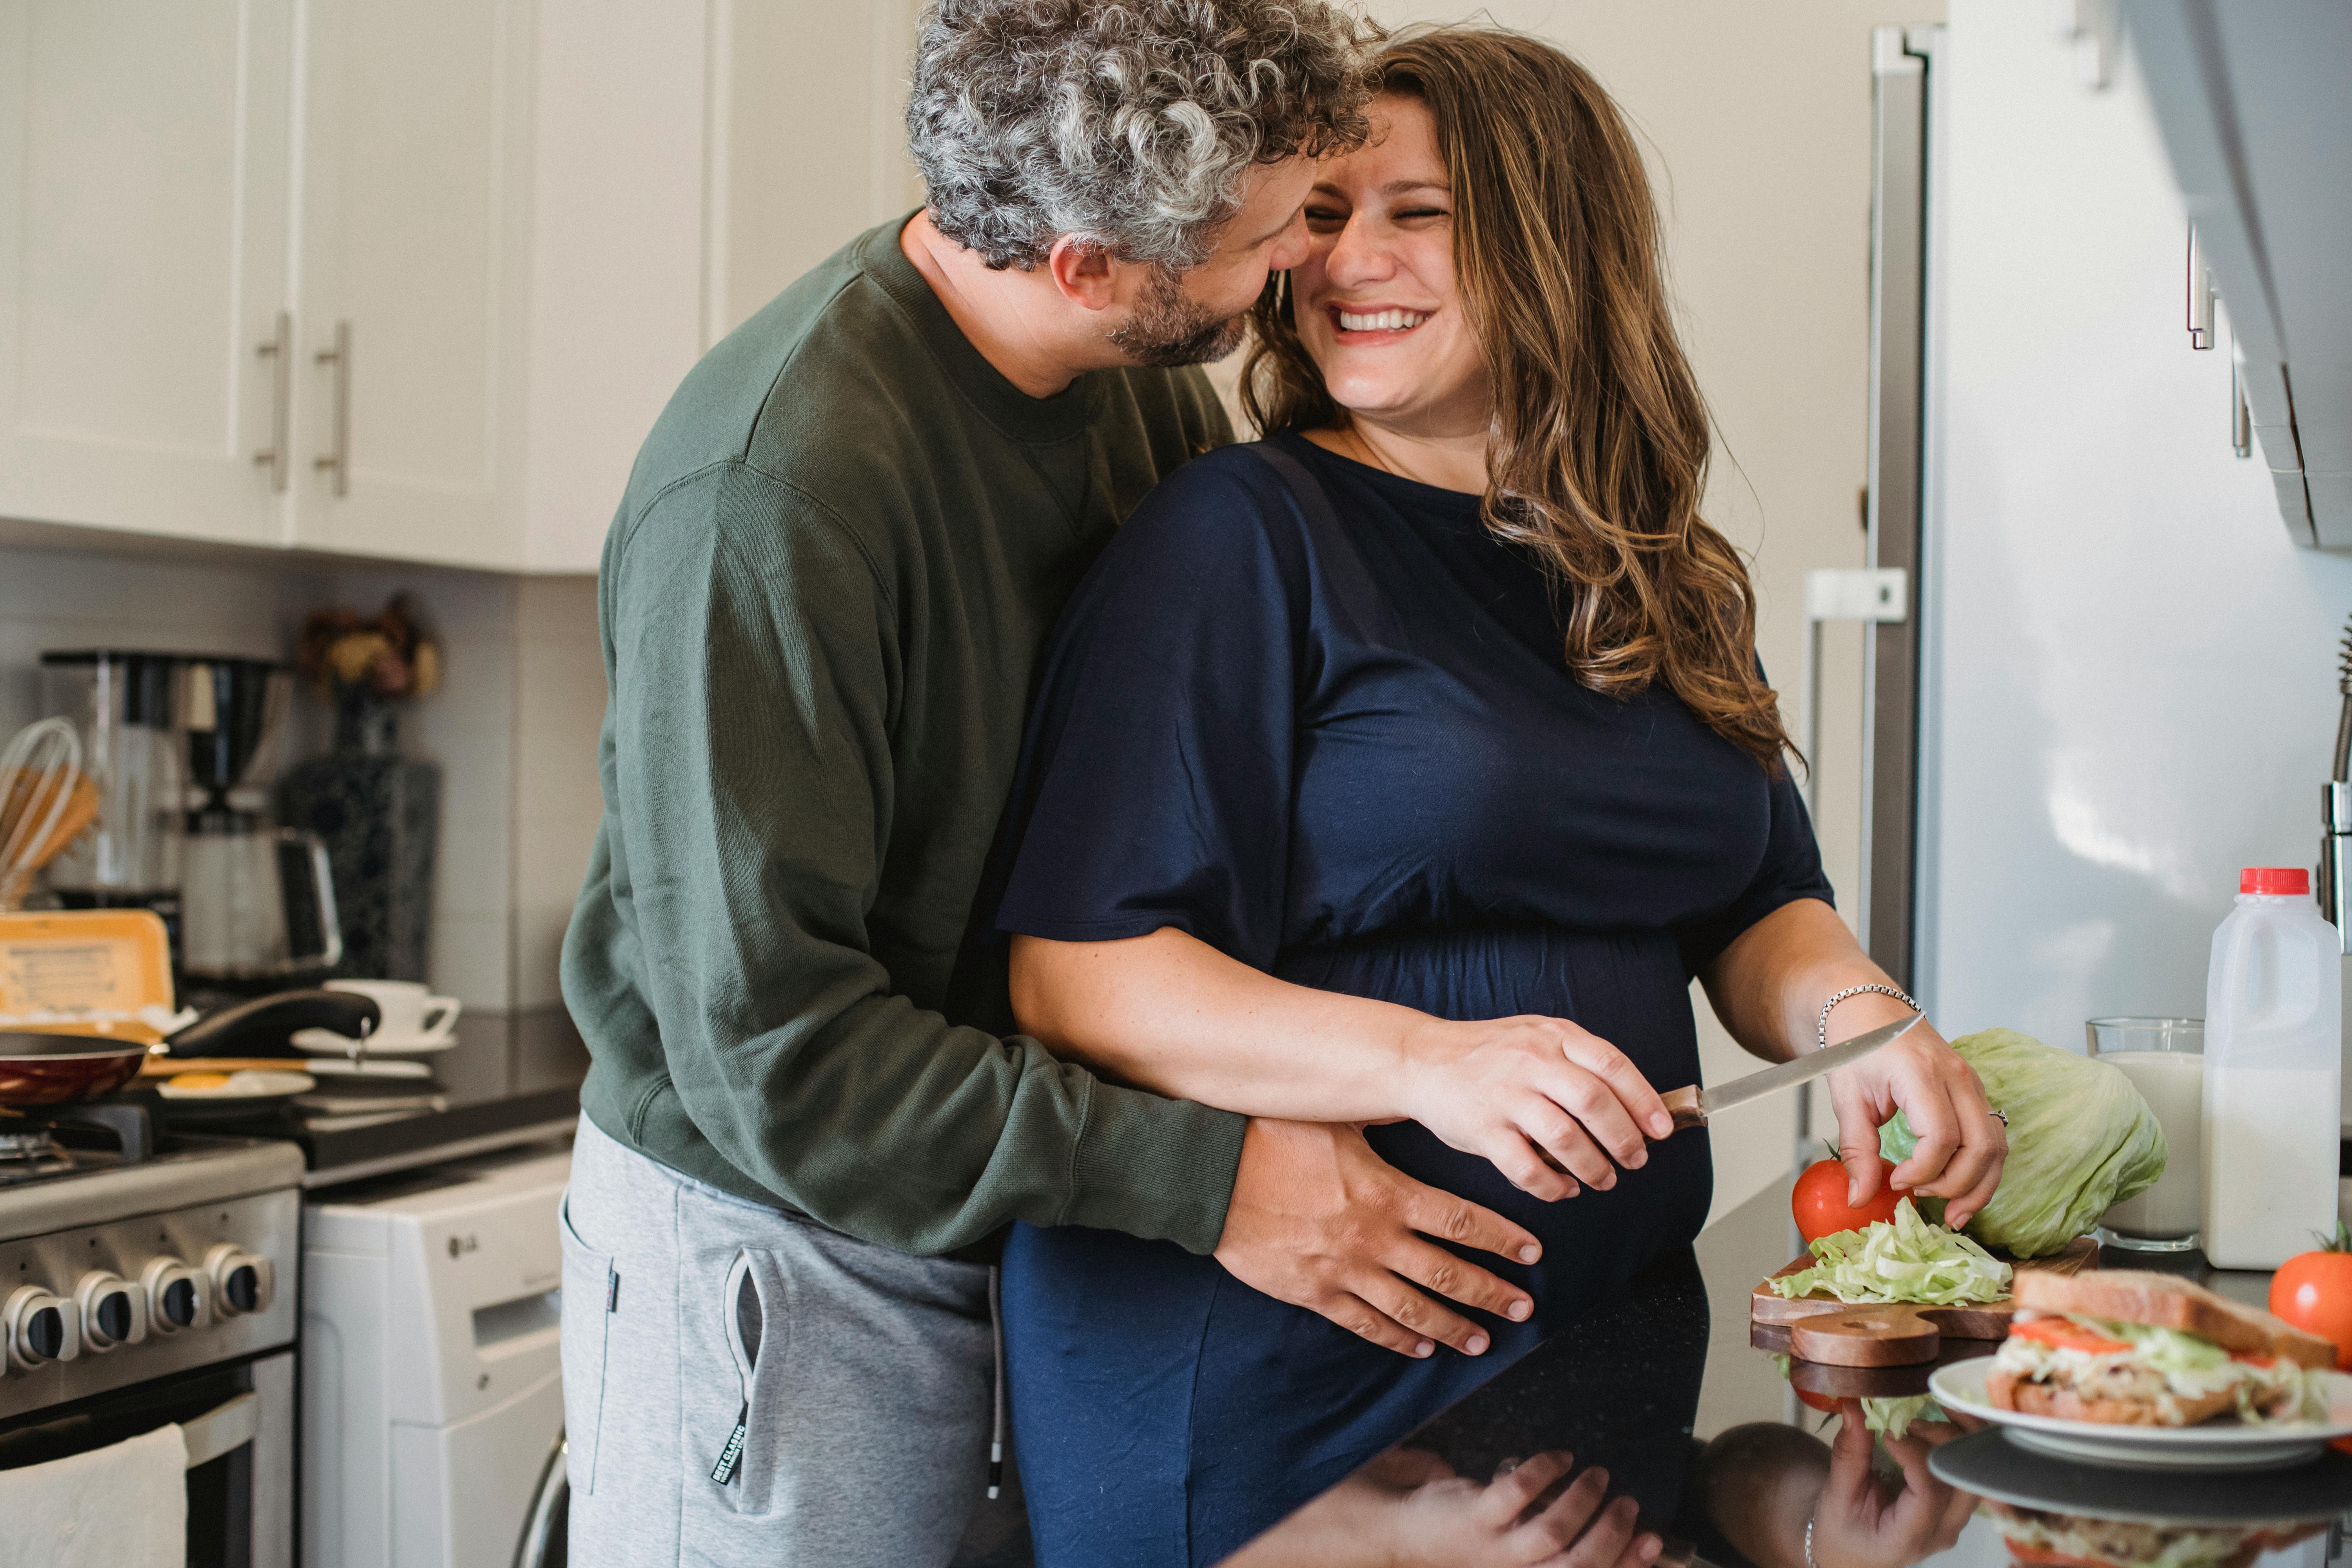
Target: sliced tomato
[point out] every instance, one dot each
(2043, 1557)
(2063, 1335)
(2264, 1361)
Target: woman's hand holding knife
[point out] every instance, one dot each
(1551, 1104)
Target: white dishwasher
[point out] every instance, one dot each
(432, 1384)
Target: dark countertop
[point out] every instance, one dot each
(1666, 1391)
(511, 1078)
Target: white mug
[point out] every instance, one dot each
(410, 1010)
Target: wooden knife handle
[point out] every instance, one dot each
(1682, 1104)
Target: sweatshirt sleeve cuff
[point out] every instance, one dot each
(1161, 1169)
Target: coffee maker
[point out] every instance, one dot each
(125, 707)
(182, 749)
(257, 900)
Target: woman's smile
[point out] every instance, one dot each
(1370, 323)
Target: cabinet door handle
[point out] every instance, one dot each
(2201, 294)
(2241, 417)
(280, 352)
(338, 457)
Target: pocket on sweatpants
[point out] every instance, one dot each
(588, 1301)
(736, 1384)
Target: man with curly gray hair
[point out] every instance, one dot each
(1130, 129)
(807, 1116)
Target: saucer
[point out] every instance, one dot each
(326, 1043)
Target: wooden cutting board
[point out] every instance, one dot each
(1825, 1329)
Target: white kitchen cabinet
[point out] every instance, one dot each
(692, 162)
(518, 224)
(415, 136)
(144, 152)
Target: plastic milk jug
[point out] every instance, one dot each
(2274, 1056)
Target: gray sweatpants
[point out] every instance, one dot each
(860, 1379)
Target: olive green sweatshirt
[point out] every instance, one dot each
(836, 561)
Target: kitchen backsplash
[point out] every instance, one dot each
(513, 727)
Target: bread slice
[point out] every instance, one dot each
(2007, 1391)
(2170, 1301)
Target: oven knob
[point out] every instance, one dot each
(176, 1296)
(40, 1328)
(242, 1281)
(114, 1312)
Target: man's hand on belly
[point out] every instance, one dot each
(1320, 1221)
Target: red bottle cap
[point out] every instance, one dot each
(2274, 880)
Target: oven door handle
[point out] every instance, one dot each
(227, 1427)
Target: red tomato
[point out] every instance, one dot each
(1823, 1401)
(2312, 1291)
(1820, 1201)
(2065, 1336)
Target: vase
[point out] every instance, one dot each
(380, 816)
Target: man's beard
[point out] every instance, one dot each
(1167, 329)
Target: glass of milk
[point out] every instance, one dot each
(2165, 1059)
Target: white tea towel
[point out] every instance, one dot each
(124, 1507)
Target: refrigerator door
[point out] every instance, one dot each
(1902, 78)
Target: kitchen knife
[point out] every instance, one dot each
(1690, 1105)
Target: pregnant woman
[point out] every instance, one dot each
(1402, 770)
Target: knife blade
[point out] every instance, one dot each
(1690, 1106)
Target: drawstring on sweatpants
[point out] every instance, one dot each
(996, 1334)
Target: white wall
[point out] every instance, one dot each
(2140, 694)
(514, 728)
(559, 710)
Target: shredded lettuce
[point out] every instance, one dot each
(2081, 1140)
(1892, 1418)
(1900, 1259)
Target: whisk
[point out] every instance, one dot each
(2336, 808)
(44, 802)
(2344, 718)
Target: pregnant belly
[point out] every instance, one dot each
(1629, 989)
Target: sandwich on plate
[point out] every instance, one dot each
(2045, 1540)
(2129, 1348)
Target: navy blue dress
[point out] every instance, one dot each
(1341, 745)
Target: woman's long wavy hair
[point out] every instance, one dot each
(1599, 452)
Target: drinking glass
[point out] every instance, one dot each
(2165, 1059)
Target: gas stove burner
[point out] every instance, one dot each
(28, 1152)
(64, 1141)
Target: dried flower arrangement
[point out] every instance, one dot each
(392, 655)
(365, 665)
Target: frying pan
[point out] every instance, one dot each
(40, 1068)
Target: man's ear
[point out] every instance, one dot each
(1085, 271)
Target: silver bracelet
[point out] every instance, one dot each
(1822, 1027)
(1809, 1538)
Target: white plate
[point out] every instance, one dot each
(326, 1043)
(251, 1084)
(2213, 1445)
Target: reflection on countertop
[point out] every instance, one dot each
(1705, 1437)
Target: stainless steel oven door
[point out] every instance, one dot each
(238, 1423)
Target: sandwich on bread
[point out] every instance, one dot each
(2042, 1539)
(2130, 1348)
